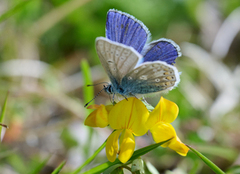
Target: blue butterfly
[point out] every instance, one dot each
(133, 66)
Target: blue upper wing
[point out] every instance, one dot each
(126, 29)
(163, 49)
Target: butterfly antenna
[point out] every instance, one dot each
(3, 125)
(94, 97)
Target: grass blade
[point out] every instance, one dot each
(13, 10)
(215, 168)
(90, 159)
(59, 168)
(88, 92)
(3, 114)
(37, 169)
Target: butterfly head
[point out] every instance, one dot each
(108, 89)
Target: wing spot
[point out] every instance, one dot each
(166, 73)
(129, 78)
(125, 52)
(165, 69)
(135, 71)
(169, 77)
(114, 69)
(109, 61)
(143, 77)
(168, 83)
(157, 80)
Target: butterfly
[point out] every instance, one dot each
(133, 66)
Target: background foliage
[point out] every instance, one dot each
(41, 45)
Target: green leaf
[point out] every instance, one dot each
(59, 168)
(215, 168)
(117, 171)
(135, 155)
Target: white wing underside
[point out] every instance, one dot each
(157, 73)
(117, 59)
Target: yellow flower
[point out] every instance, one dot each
(159, 124)
(128, 118)
(99, 117)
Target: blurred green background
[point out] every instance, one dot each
(42, 43)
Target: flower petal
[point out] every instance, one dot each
(129, 114)
(112, 146)
(127, 146)
(162, 132)
(98, 118)
(165, 111)
(179, 147)
(94, 106)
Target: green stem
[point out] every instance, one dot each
(215, 168)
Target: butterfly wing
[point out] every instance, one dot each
(126, 29)
(117, 59)
(150, 77)
(163, 49)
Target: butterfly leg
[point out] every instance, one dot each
(143, 98)
(112, 100)
(124, 97)
(133, 95)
